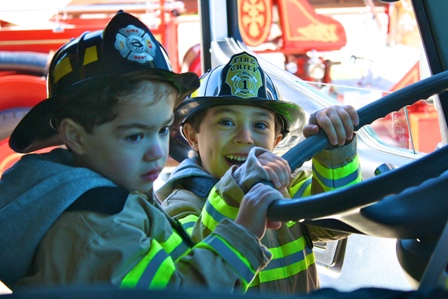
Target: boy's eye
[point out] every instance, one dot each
(135, 137)
(164, 130)
(225, 122)
(261, 126)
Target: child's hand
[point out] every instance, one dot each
(337, 121)
(253, 209)
(277, 168)
(262, 166)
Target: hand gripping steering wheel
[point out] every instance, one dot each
(394, 192)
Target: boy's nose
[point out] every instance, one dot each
(154, 152)
(244, 135)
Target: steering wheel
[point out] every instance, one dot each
(387, 188)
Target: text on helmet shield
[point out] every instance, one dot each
(135, 44)
(244, 76)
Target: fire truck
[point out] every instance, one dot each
(26, 48)
(301, 35)
(29, 37)
(291, 28)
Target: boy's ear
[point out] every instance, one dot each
(191, 136)
(72, 134)
(278, 139)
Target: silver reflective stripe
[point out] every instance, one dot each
(215, 214)
(188, 225)
(231, 258)
(302, 188)
(179, 251)
(337, 183)
(288, 260)
(151, 269)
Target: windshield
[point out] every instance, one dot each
(382, 53)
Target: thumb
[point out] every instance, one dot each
(270, 224)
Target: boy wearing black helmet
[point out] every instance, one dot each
(225, 135)
(86, 214)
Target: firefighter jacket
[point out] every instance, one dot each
(105, 234)
(292, 269)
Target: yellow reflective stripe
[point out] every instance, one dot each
(256, 281)
(301, 188)
(175, 246)
(173, 241)
(290, 223)
(162, 276)
(287, 260)
(238, 262)
(207, 219)
(188, 223)
(333, 178)
(288, 248)
(287, 254)
(215, 210)
(267, 275)
(154, 270)
(339, 172)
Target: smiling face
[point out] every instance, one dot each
(131, 150)
(227, 134)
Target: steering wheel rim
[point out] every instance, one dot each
(360, 195)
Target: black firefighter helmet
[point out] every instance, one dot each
(239, 82)
(125, 50)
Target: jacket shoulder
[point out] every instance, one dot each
(106, 200)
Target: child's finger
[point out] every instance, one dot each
(270, 224)
(353, 114)
(277, 168)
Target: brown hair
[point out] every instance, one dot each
(100, 106)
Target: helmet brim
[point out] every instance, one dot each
(35, 132)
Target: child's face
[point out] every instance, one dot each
(228, 133)
(132, 149)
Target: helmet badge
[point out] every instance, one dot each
(244, 76)
(135, 44)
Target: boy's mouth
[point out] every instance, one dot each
(236, 159)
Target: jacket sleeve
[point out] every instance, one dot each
(223, 261)
(193, 211)
(331, 169)
(137, 248)
(225, 198)
(184, 206)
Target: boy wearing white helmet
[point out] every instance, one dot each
(86, 214)
(224, 136)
